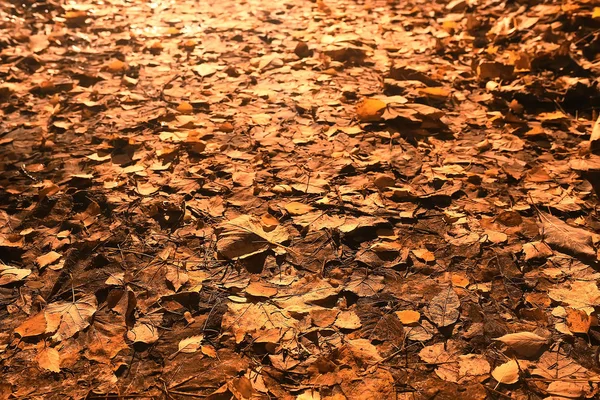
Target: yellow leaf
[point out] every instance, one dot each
(507, 373)
(596, 13)
(408, 317)
(185, 108)
(49, 359)
(370, 110)
(117, 66)
(269, 222)
(424, 255)
(296, 208)
(437, 93)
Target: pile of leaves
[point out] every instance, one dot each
(338, 199)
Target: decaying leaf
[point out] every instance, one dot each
(245, 236)
(145, 330)
(566, 238)
(443, 309)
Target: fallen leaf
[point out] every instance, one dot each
(145, 330)
(443, 309)
(578, 321)
(38, 43)
(424, 255)
(10, 274)
(245, 236)
(295, 208)
(185, 108)
(48, 358)
(524, 343)
(47, 259)
(65, 318)
(566, 238)
(190, 344)
(577, 294)
(370, 110)
(408, 317)
(258, 289)
(117, 66)
(348, 320)
(146, 188)
(507, 373)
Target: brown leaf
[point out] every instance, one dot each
(47, 259)
(566, 238)
(10, 274)
(245, 236)
(443, 309)
(258, 289)
(524, 343)
(72, 317)
(296, 208)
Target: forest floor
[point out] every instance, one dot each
(289, 199)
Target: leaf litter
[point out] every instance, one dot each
(316, 200)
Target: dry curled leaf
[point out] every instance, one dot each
(10, 274)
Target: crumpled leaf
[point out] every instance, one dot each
(566, 238)
(245, 236)
(443, 309)
(10, 274)
(524, 343)
(145, 329)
